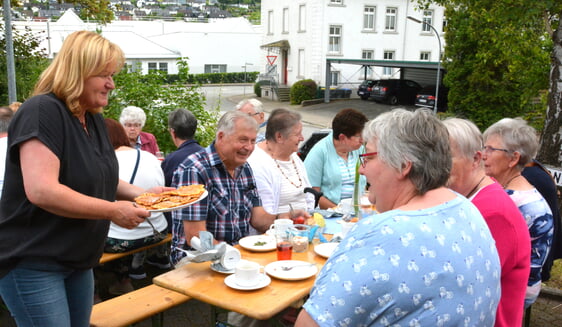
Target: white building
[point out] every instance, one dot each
(221, 45)
(342, 42)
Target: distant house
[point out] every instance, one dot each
(342, 42)
(221, 45)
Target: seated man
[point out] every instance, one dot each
(254, 108)
(233, 204)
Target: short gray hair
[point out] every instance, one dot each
(466, 136)
(281, 121)
(418, 137)
(517, 136)
(228, 121)
(183, 122)
(132, 114)
(256, 104)
(6, 115)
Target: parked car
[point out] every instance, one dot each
(394, 91)
(364, 90)
(426, 98)
(313, 139)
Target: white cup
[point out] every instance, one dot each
(280, 226)
(346, 227)
(247, 273)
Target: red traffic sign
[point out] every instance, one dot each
(271, 60)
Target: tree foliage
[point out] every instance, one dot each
(496, 57)
(29, 62)
(157, 99)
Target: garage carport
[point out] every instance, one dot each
(423, 72)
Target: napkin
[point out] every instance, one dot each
(206, 250)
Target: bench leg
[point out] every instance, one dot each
(158, 320)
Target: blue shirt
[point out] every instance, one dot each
(431, 267)
(324, 171)
(227, 209)
(174, 159)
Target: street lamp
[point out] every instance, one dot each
(438, 61)
(245, 75)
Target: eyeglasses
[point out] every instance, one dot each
(129, 125)
(490, 149)
(254, 114)
(364, 155)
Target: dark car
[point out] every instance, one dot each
(426, 98)
(311, 141)
(394, 91)
(364, 90)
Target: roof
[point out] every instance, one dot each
(385, 63)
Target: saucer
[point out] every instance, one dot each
(264, 280)
(220, 269)
(325, 249)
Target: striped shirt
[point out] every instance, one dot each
(228, 207)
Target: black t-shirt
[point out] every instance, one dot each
(87, 165)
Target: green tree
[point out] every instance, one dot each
(499, 56)
(29, 62)
(157, 99)
(496, 57)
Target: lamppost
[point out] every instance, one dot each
(245, 75)
(438, 61)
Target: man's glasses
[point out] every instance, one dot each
(489, 149)
(363, 160)
(254, 114)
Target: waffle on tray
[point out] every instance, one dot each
(170, 199)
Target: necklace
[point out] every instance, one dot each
(475, 187)
(509, 181)
(83, 123)
(286, 177)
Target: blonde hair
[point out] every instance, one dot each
(83, 54)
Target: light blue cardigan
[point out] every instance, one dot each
(323, 170)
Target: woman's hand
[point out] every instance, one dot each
(128, 215)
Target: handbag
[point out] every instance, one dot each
(136, 168)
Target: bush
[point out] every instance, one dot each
(214, 78)
(303, 90)
(257, 90)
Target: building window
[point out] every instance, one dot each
(428, 19)
(388, 55)
(425, 55)
(334, 42)
(369, 18)
(163, 67)
(390, 19)
(367, 54)
(215, 69)
(336, 2)
(152, 66)
(270, 22)
(302, 18)
(444, 26)
(301, 65)
(285, 20)
(334, 77)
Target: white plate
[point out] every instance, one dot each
(249, 243)
(301, 269)
(218, 268)
(204, 195)
(230, 281)
(325, 249)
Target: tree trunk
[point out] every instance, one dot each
(550, 150)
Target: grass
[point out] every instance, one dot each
(555, 275)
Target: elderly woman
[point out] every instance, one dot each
(279, 172)
(509, 145)
(428, 258)
(61, 186)
(331, 163)
(502, 216)
(133, 119)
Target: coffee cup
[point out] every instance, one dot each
(247, 273)
(280, 226)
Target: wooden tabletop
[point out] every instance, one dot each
(198, 281)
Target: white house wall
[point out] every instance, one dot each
(407, 41)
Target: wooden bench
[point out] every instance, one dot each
(106, 257)
(135, 306)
